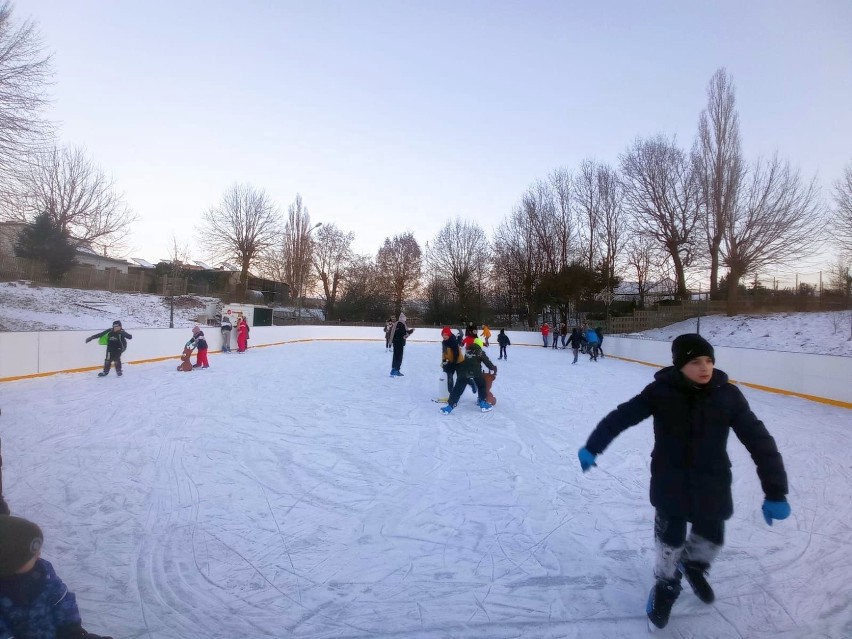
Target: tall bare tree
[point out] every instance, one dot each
(587, 198)
(400, 263)
(518, 261)
(78, 196)
(457, 255)
(778, 222)
(641, 260)
(842, 214)
(613, 222)
(24, 76)
(297, 249)
(241, 227)
(662, 194)
(331, 257)
(719, 164)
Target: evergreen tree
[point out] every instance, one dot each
(44, 240)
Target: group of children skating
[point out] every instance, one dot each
(115, 340)
(464, 361)
(586, 340)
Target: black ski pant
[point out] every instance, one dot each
(396, 362)
(111, 357)
(462, 383)
(673, 546)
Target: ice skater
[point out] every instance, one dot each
(115, 339)
(694, 408)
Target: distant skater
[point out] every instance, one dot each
(116, 343)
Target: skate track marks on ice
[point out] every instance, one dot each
(299, 491)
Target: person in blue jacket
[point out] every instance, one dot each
(694, 409)
(592, 339)
(34, 603)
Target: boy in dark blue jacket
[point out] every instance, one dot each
(694, 409)
(33, 600)
(116, 344)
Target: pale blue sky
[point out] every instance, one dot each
(394, 116)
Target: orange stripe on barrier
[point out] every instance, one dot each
(769, 389)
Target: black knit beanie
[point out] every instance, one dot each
(20, 540)
(688, 347)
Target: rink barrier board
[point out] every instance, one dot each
(821, 378)
(768, 389)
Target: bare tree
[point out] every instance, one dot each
(79, 198)
(641, 259)
(365, 296)
(297, 250)
(518, 261)
(842, 214)
(719, 164)
(778, 222)
(588, 201)
(400, 263)
(456, 256)
(662, 194)
(332, 255)
(241, 227)
(24, 76)
(613, 222)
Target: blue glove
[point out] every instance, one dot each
(587, 459)
(775, 510)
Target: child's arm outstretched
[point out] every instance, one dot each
(97, 335)
(623, 417)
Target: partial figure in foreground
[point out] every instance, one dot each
(694, 408)
(33, 600)
(115, 340)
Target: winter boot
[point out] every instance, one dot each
(118, 368)
(660, 601)
(696, 575)
(484, 406)
(447, 409)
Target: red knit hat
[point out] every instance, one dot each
(446, 332)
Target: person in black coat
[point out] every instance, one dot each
(400, 334)
(694, 409)
(503, 341)
(575, 341)
(116, 345)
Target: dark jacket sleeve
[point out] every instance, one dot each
(127, 335)
(99, 335)
(62, 602)
(487, 361)
(623, 417)
(761, 446)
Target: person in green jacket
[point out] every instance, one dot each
(471, 369)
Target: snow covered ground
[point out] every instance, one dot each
(24, 307)
(822, 333)
(298, 491)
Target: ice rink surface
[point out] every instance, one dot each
(299, 491)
